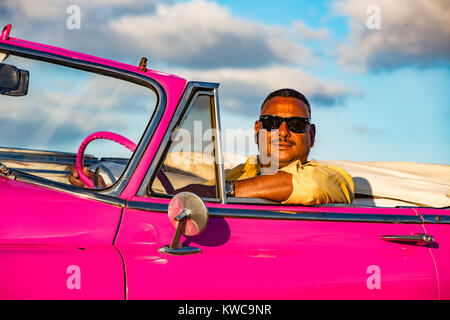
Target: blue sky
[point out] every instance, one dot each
(402, 114)
(376, 95)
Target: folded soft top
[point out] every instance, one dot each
(416, 183)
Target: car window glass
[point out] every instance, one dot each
(189, 163)
(41, 131)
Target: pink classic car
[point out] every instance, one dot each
(133, 239)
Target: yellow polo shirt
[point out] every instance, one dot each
(312, 182)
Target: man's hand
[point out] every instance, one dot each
(74, 179)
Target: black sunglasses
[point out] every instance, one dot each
(294, 124)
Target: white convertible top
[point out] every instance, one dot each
(377, 183)
(387, 181)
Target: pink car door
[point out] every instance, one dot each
(260, 252)
(255, 251)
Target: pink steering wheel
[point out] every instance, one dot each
(99, 135)
(121, 140)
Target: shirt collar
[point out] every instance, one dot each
(252, 166)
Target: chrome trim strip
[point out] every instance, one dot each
(33, 152)
(193, 89)
(265, 202)
(244, 200)
(147, 206)
(220, 171)
(42, 156)
(130, 76)
(40, 171)
(288, 215)
(435, 218)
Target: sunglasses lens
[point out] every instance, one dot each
(295, 124)
(271, 123)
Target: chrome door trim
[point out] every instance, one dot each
(287, 215)
(139, 79)
(193, 90)
(435, 219)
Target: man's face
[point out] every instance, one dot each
(291, 146)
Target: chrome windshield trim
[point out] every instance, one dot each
(287, 215)
(193, 89)
(139, 79)
(219, 164)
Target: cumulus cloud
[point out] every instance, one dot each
(306, 33)
(54, 9)
(46, 22)
(197, 39)
(243, 89)
(196, 33)
(412, 33)
(203, 34)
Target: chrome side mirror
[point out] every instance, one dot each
(189, 216)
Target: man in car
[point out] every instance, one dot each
(284, 127)
(282, 171)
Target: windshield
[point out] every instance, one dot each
(42, 128)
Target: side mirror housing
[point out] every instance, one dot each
(13, 81)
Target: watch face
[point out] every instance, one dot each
(229, 188)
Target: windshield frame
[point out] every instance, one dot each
(116, 189)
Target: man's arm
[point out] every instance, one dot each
(276, 187)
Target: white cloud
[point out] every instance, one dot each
(30, 9)
(268, 78)
(196, 33)
(197, 39)
(201, 33)
(56, 9)
(240, 87)
(412, 33)
(306, 33)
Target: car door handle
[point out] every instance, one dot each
(415, 239)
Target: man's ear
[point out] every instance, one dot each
(256, 132)
(312, 134)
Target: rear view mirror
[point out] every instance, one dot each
(13, 81)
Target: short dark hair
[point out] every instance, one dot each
(287, 93)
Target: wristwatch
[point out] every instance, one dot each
(229, 188)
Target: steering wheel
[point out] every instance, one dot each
(120, 140)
